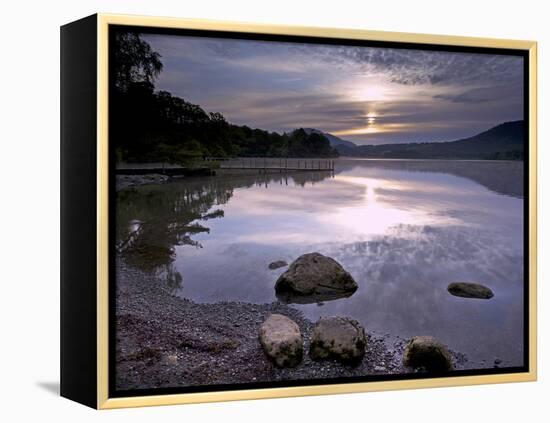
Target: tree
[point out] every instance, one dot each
(149, 125)
(134, 60)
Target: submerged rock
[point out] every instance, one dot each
(470, 290)
(427, 353)
(313, 275)
(281, 340)
(276, 264)
(338, 337)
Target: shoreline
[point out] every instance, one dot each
(509, 183)
(167, 341)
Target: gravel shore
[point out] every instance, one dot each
(167, 341)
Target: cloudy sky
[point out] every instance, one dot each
(364, 94)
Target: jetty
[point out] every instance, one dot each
(267, 164)
(209, 165)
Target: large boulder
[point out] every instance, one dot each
(470, 290)
(281, 340)
(427, 353)
(338, 337)
(312, 275)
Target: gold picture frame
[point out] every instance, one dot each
(101, 315)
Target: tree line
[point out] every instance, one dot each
(147, 125)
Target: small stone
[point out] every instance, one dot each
(338, 337)
(498, 361)
(277, 264)
(425, 352)
(379, 369)
(281, 340)
(171, 359)
(470, 290)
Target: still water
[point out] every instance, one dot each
(403, 229)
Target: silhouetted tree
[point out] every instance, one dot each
(148, 125)
(134, 60)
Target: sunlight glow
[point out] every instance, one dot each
(374, 128)
(373, 90)
(344, 207)
(375, 216)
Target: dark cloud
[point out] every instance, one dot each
(415, 67)
(472, 96)
(484, 94)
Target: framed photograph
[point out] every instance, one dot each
(254, 211)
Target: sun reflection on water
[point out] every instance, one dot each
(375, 213)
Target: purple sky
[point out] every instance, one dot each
(362, 94)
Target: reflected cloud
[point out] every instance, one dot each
(403, 275)
(352, 207)
(377, 214)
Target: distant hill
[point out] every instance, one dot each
(333, 140)
(502, 142)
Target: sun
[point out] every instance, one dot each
(371, 118)
(370, 127)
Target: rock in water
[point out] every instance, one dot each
(315, 274)
(281, 340)
(469, 290)
(276, 264)
(427, 353)
(338, 337)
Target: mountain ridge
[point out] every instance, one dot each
(501, 142)
(332, 139)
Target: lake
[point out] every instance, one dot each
(404, 229)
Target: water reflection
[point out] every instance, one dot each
(403, 229)
(502, 177)
(153, 220)
(159, 218)
(289, 297)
